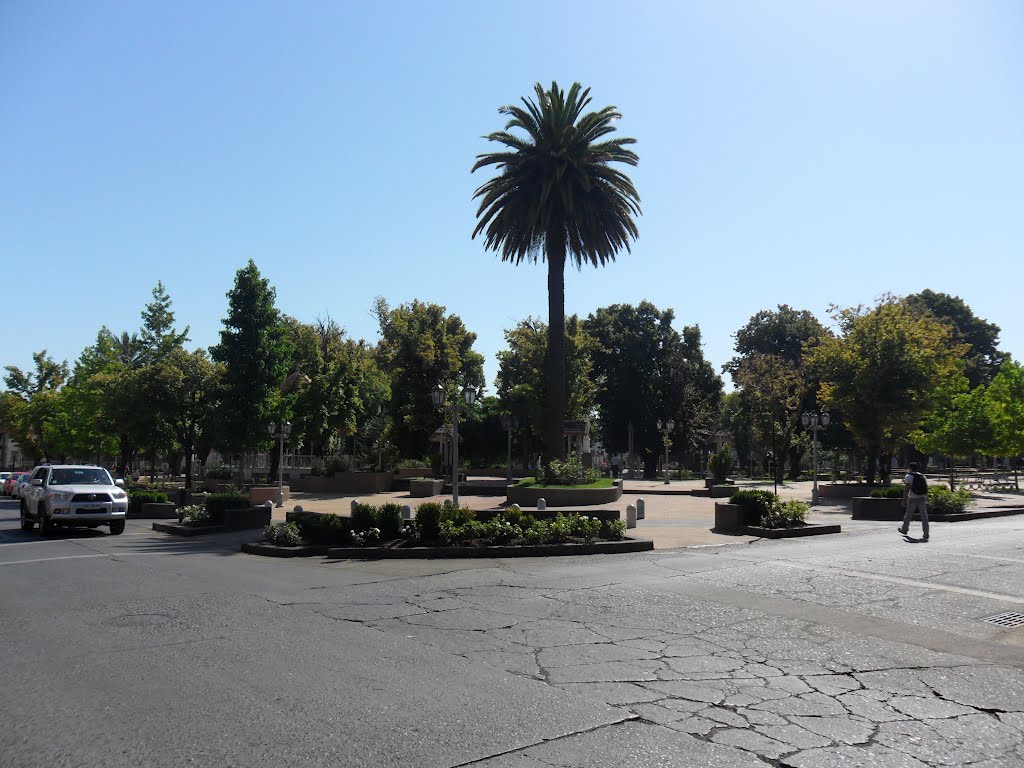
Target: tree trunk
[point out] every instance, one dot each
(884, 468)
(795, 455)
(554, 363)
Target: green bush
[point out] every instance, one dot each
(568, 472)
(342, 463)
(614, 530)
(946, 502)
(141, 497)
(457, 517)
(216, 503)
(412, 464)
(389, 520)
(888, 492)
(721, 465)
(786, 514)
(363, 517)
(324, 529)
(754, 505)
(285, 535)
(428, 520)
(217, 473)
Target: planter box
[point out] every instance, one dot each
(526, 550)
(845, 490)
(868, 508)
(722, 491)
(728, 517)
(153, 510)
(241, 519)
(526, 496)
(177, 529)
(259, 494)
(422, 488)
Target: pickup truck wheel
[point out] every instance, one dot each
(117, 527)
(26, 524)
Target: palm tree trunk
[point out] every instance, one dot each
(554, 401)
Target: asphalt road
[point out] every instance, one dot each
(863, 649)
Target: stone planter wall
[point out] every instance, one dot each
(241, 519)
(867, 508)
(526, 496)
(845, 490)
(728, 517)
(422, 488)
(722, 491)
(259, 494)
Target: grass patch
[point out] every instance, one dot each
(601, 482)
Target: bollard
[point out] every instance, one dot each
(406, 512)
(298, 508)
(268, 503)
(541, 505)
(641, 513)
(354, 504)
(516, 507)
(631, 516)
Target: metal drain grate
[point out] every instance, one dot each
(1010, 619)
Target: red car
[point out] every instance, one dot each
(12, 479)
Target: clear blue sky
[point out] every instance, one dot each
(790, 152)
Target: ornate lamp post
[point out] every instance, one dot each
(437, 394)
(281, 435)
(669, 426)
(509, 423)
(815, 422)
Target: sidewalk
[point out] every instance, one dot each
(674, 517)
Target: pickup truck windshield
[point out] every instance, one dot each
(80, 476)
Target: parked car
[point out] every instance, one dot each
(16, 480)
(3, 477)
(73, 495)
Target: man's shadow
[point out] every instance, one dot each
(912, 540)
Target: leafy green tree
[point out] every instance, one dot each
(255, 353)
(883, 372)
(983, 358)
(1005, 399)
(420, 346)
(188, 388)
(772, 387)
(557, 196)
(158, 337)
(31, 405)
(783, 334)
(521, 385)
(958, 425)
(645, 371)
(343, 390)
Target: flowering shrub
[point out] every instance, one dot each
(286, 535)
(786, 514)
(428, 518)
(369, 536)
(941, 500)
(195, 515)
(615, 530)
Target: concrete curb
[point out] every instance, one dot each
(526, 550)
(409, 553)
(177, 529)
(273, 550)
(811, 529)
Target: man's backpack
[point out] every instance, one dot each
(918, 486)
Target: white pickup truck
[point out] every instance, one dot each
(73, 495)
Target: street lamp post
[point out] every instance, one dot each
(437, 394)
(281, 435)
(815, 422)
(669, 426)
(509, 423)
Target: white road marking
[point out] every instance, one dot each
(83, 557)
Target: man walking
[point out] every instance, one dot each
(915, 496)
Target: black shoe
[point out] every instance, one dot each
(924, 538)
(904, 531)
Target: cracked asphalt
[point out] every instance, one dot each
(860, 649)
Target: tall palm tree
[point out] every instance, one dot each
(557, 196)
